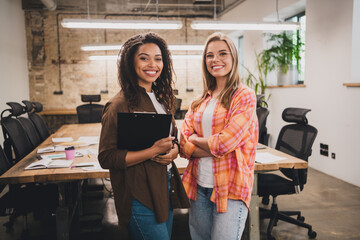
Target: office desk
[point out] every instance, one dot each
(62, 176)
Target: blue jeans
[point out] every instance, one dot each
(205, 223)
(143, 224)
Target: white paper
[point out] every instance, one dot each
(258, 147)
(60, 163)
(95, 167)
(46, 150)
(60, 155)
(85, 164)
(43, 163)
(60, 148)
(57, 148)
(63, 139)
(48, 163)
(91, 140)
(54, 156)
(87, 151)
(264, 157)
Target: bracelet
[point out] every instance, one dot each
(175, 141)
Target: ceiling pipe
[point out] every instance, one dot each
(49, 4)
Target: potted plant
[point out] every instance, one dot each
(258, 81)
(281, 55)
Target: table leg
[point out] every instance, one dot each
(62, 215)
(254, 219)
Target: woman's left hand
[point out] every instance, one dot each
(167, 158)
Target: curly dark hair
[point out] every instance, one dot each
(128, 78)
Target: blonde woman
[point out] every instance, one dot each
(219, 137)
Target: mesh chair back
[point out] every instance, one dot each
(31, 131)
(15, 137)
(4, 166)
(296, 139)
(89, 113)
(262, 114)
(29, 126)
(38, 121)
(178, 114)
(178, 104)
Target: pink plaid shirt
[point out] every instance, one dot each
(232, 145)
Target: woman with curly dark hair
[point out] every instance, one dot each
(143, 180)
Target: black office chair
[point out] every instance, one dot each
(37, 120)
(20, 200)
(295, 139)
(178, 113)
(29, 127)
(90, 113)
(262, 113)
(15, 137)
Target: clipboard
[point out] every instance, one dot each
(137, 131)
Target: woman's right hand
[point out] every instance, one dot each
(163, 145)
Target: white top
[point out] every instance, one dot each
(205, 176)
(161, 110)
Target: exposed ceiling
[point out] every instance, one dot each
(204, 8)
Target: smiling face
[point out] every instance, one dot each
(148, 64)
(218, 59)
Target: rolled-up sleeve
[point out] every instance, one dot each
(242, 111)
(109, 156)
(186, 147)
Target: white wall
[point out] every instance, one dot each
(335, 108)
(355, 73)
(14, 79)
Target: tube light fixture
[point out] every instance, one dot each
(105, 47)
(115, 57)
(264, 26)
(119, 24)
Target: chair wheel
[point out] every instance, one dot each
(265, 200)
(312, 234)
(301, 218)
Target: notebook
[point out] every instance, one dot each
(137, 131)
(49, 163)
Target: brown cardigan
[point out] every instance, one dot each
(146, 181)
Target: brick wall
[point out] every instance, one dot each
(47, 40)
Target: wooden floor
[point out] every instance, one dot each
(330, 205)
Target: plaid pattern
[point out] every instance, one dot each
(232, 144)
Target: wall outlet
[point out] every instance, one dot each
(333, 156)
(324, 149)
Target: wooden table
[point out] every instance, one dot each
(66, 178)
(61, 176)
(17, 174)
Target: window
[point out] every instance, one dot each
(300, 18)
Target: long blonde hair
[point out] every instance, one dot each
(209, 81)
